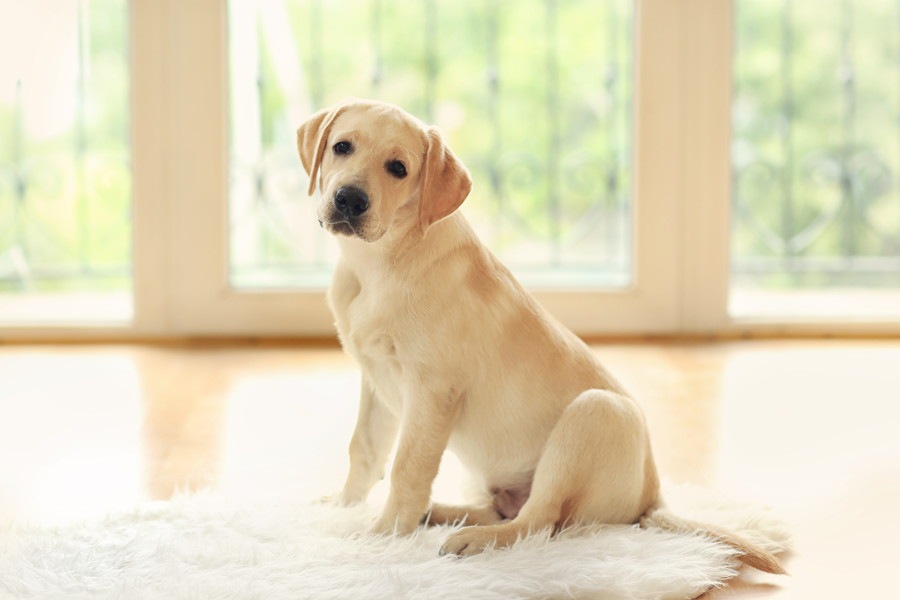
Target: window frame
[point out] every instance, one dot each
(681, 193)
(208, 305)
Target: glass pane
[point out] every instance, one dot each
(816, 156)
(534, 96)
(65, 181)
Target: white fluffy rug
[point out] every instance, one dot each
(200, 547)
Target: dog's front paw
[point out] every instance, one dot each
(342, 498)
(392, 523)
(330, 499)
(333, 500)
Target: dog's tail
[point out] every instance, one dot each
(751, 554)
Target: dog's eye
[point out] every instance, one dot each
(396, 168)
(342, 148)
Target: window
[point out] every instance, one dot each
(534, 97)
(65, 180)
(646, 167)
(816, 157)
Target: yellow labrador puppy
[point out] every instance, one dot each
(456, 354)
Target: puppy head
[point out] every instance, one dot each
(378, 169)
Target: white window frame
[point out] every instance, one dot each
(208, 305)
(681, 193)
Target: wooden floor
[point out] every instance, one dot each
(811, 428)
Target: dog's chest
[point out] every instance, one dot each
(371, 328)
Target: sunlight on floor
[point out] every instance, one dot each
(77, 419)
(809, 428)
(268, 433)
(814, 432)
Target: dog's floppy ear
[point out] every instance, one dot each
(312, 136)
(445, 182)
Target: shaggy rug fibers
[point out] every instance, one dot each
(200, 546)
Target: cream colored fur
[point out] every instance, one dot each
(456, 354)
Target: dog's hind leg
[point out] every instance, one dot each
(596, 468)
(444, 514)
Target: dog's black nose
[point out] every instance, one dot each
(351, 201)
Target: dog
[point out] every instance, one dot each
(456, 354)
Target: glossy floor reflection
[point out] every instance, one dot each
(809, 427)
